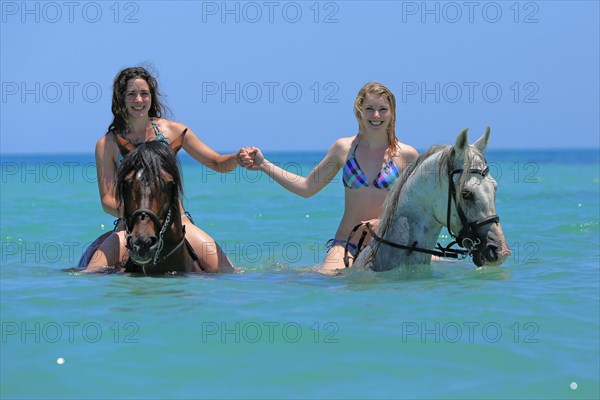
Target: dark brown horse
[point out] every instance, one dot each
(148, 189)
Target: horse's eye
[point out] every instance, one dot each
(170, 187)
(467, 195)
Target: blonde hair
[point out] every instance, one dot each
(378, 89)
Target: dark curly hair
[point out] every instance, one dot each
(119, 110)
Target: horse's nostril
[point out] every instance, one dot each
(491, 253)
(141, 243)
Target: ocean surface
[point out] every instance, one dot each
(526, 330)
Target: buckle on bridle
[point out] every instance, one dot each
(470, 244)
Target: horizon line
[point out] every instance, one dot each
(79, 153)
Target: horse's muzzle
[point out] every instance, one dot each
(142, 248)
(488, 256)
(493, 251)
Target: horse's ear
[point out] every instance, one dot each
(125, 146)
(176, 144)
(482, 142)
(462, 141)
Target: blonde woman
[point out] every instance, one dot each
(372, 160)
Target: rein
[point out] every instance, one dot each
(446, 252)
(466, 238)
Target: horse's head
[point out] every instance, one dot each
(471, 213)
(148, 189)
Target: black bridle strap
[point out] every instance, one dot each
(485, 221)
(452, 193)
(446, 252)
(358, 246)
(467, 228)
(163, 258)
(193, 254)
(189, 248)
(162, 228)
(143, 212)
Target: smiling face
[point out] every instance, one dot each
(376, 113)
(138, 98)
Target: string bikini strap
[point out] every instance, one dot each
(355, 147)
(159, 136)
(157, 131)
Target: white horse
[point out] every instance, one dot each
(447, 186)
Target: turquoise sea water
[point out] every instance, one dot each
(528, 329)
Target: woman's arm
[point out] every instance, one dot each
(318, 178)
(106, 174)
(207, 156)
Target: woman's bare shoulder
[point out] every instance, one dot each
(106, 141)
(407, 152)
(169, 123)
(171, 129)
(344, 143)
(106, 151)
(341, 146)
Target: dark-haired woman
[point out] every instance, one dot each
(138, 117)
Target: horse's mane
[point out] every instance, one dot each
(152, 157)
(445, 166)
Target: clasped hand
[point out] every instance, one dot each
(250, 158)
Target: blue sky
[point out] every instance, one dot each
(283, 75)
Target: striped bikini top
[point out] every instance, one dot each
(159, 137)
(354, 178)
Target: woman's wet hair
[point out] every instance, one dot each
(119, 109)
